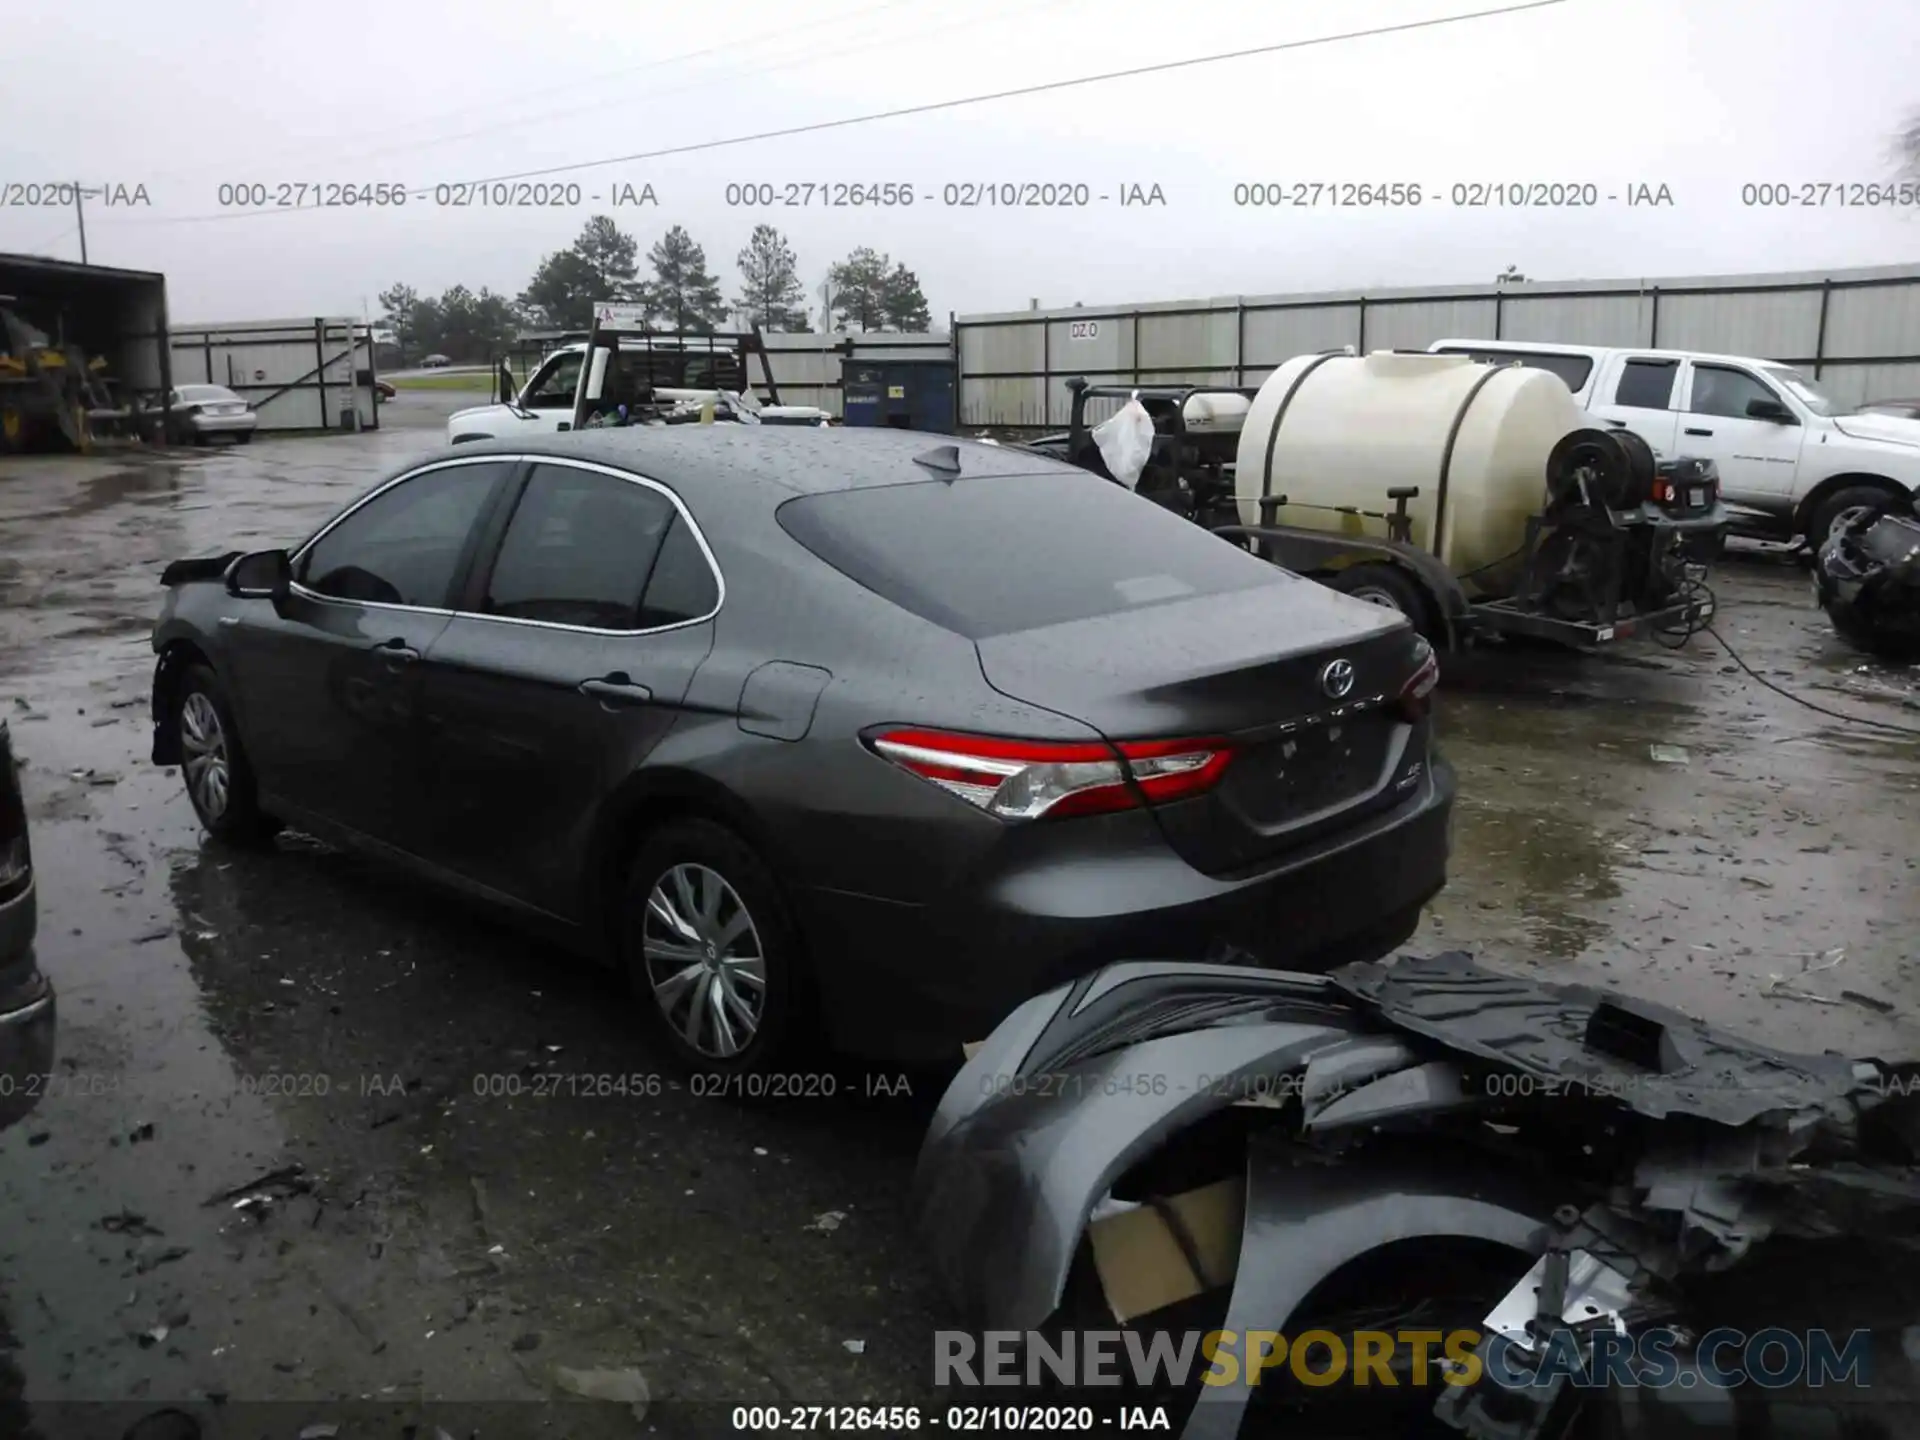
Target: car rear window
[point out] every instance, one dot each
(1006, 553)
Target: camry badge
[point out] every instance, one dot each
(1337, 678)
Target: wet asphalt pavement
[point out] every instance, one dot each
(463, 1199)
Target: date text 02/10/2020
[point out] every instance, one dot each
(456, 195)
(1462, 195)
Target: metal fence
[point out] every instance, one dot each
(1856, 331)
(311, 373)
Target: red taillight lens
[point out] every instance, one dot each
(1664, 493)
(1416, 696)
(1029, 779)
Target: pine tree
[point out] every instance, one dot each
(682, 295)
(771, 293)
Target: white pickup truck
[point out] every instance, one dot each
(545, 403)
(1790, 458)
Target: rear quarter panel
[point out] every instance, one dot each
(840, 816)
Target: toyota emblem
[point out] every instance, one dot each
(1337, 678)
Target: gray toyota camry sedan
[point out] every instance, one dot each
(862, 736)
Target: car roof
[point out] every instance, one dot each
(1596, 351)
(783, 460)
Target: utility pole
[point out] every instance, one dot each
(80, 210)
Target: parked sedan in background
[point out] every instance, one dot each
(205, 412)
(26, 999)
(818, 730)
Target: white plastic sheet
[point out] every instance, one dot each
(1125, 440)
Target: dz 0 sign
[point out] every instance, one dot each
(1083, 330)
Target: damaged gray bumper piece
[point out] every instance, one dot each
(1418, 1100)
(1867, 578)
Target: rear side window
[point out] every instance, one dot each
(579, 550)
(1573, 369)
(682, 587)
(1005, 553)
(1646, 384)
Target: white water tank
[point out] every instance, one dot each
(1356, 427)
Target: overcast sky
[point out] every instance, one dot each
(1701, 96)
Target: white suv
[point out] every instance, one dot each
(1790, 458)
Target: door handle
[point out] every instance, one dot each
(617, 689)
(396, 650)
(1699, 432)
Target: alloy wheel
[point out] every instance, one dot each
(704, 960)
(203, 745)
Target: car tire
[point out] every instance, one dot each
(1387, 586)
(222, 790)
(1853, 497)
(679, 866)
(244, 438)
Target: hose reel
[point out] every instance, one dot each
(1602, 469)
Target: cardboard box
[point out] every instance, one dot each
(1141, 1262)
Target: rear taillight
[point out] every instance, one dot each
(1029, 779)
(1416, 696)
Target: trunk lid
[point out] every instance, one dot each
(1249, 666)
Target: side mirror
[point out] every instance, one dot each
(265, 574)
(1763, 409)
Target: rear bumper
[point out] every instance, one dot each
(224, 424)
(913, 983)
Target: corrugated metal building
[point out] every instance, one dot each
(1856, 331)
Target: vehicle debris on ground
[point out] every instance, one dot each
(1426, 1144)
(1867, 579)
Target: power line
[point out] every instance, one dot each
(627, 72)
(41, 246)
(1046, 87)
(523, 121)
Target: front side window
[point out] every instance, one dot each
(1804, 390)
(403, 546)
(579, 550)
(1718, 390)
(553, 387)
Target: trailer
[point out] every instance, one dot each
(1610, 555)
(83, 353)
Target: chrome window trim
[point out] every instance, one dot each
(631, 477)
(646, 482)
